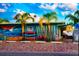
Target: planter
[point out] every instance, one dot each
(19, 38)
(31, 38)
(42, 38)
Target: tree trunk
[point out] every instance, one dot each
(23, 27)
(49, 27)
(49, 33)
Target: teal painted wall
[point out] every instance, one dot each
(44, 31)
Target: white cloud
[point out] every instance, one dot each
(68, 6)
(54, 6)
(72, 6)
(2, 10)
(9, 4)
(5, 5)
(64, 7)
(48, 6)
(65, 13)
(35, 18)
(61, 6)
(19, 11)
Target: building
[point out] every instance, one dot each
(33, 31)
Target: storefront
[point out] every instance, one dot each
(32, 31)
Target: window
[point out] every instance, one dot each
(30, 28)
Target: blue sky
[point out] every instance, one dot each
(9, 10)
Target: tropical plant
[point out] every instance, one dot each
(42, 19)
(47, 18)
(22, 18)
(51, 16)
(74, 17)
(3, 20)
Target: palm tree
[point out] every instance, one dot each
(22, 18)
(47, 18)
(41, 21)
(74, 18)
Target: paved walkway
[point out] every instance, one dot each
(38, 47)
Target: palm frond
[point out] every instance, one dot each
(25, 15)
(69, 16)
(17, 16)
(51, 16)
(76, 14)
(72, 17)
(53, 13)
(31, 18)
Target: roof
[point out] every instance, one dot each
(36, 23)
